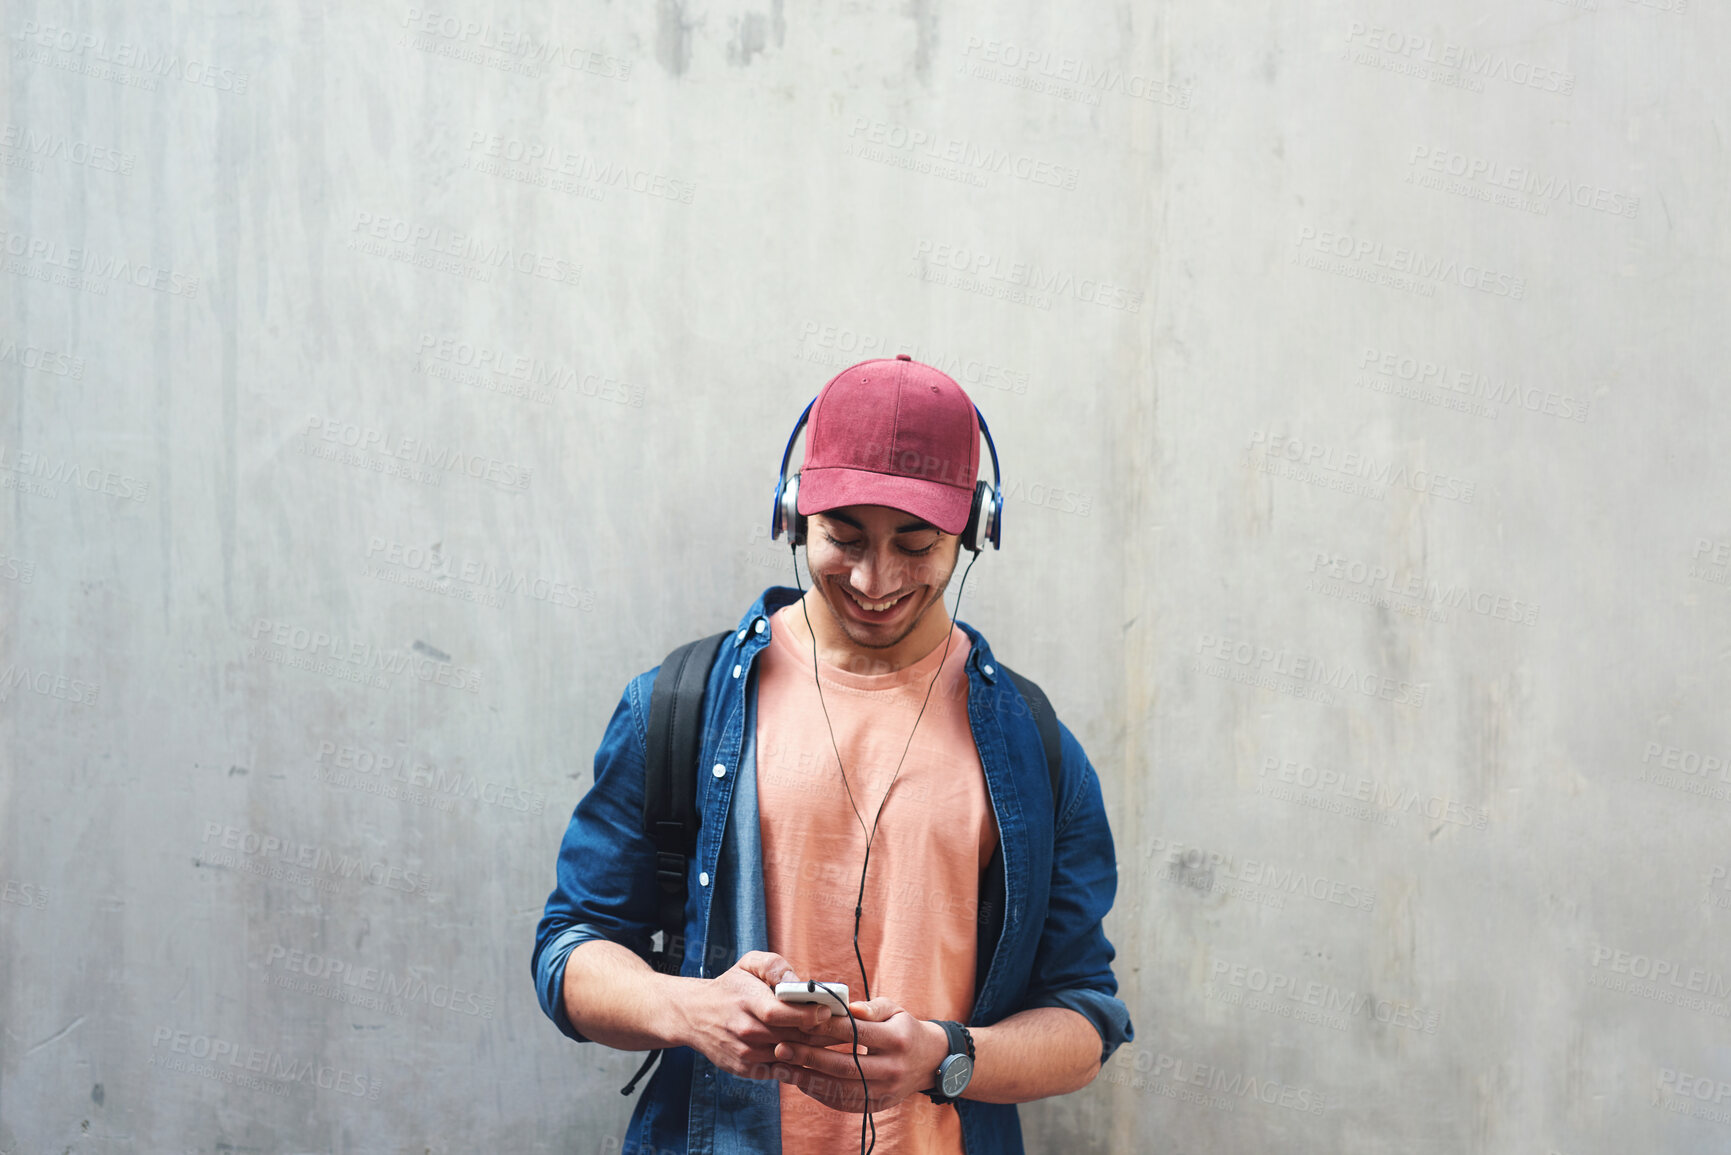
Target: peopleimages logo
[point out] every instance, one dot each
(1326, 997)
(1717, 555)
(882, 455)
(1662, 972)
(1068, 77)
(1372, 580)
(53, 472)
(402, 772)
(341, 977)
(1702, 1087)
(54, 146)
(259, 1068)
(1401, 262)
(1472, 383)
(869, 136)
(1228, 1085)
(1384, 796)
(51, 361)
(1204, 869)
(467, 39)
(1355, 471)
(437, 241)
(1684, 760)
(1542, 187)
(48, 683)
(1283, 661)
(411, 564)
(1419, 54)
(352, 658)
(366, 439)
(987, 269)
(94, 49)
(312, 857)
(542, 164)
(96, 268)
(23, 894)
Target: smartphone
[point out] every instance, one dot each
(831, 995)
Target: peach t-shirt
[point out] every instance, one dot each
(937, 833)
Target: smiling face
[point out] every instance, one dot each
(881, 574)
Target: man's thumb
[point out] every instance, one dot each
(768, 966)
(876, 1011)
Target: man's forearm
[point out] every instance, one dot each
(1032, 1054)
(620, 1001)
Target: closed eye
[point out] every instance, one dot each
(855, 545)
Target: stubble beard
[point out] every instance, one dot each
(846, 624)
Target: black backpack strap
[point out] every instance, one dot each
(1047, 720)
(670, 789)
(670, 817)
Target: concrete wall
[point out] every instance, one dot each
(384, 385)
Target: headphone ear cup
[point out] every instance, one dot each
(973, 534)
(986, 514)
(790, 520)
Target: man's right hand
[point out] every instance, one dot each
(735, 1020)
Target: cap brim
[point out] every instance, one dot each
(944, 506)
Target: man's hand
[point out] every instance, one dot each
(898, 1053)
(736, 1021)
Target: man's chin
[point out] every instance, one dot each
(874, 640)
(884, 635)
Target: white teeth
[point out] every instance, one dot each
(880, 607)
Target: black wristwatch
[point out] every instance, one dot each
(957, 1069)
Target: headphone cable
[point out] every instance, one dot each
(871, 835)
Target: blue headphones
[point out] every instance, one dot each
(985, 518)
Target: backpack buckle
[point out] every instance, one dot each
(670, 870)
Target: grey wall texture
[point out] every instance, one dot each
(383, 385)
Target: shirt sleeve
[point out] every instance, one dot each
(605, 886)
(1073, 962)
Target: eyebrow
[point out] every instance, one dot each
(910, 527)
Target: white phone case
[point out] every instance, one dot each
(831, 995)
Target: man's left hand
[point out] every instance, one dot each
(898, 1053)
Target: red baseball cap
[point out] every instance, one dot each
(893, 432)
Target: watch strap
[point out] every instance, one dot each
(961, 1043)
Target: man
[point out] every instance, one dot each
(877, 810)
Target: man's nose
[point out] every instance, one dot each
(875, 575)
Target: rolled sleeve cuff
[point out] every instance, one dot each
(1109, 1016)
(550, 983)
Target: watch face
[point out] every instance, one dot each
(954, 1073)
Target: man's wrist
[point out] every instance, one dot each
(677, 997)
(936, 1050)
(612, 997)
(954, 1065)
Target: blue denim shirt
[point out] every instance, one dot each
(1059, 876)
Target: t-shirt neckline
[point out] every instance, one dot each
(923, 669)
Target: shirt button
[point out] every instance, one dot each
(758, 628)
(720, 771)
(736, 670)
(741, 636)
(703, 878)
(989, 670)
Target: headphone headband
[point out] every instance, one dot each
(987, 514)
